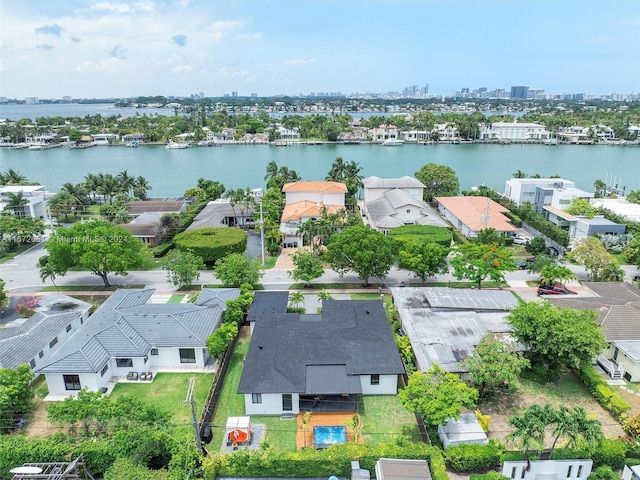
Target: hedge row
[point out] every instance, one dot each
(474, 458)
(162, 249)
(335, 460)
(515, 219)
(439, 235)
(606, 396)
(212, 244)
(458, 237)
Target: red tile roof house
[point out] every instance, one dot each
(472, 214)
(305, 201)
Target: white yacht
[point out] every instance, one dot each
(175, 145)
(392, 142)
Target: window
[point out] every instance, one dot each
(53, 342)
(408, 210)
(154, 351)
(513, 473)
(187, 355)
(124, 362)
(72, 382)
(32, 363)
(256, 398)
(523, 472)
(579, 474)
(375, 379)
(287, 402)
(68, 328)
(41, 354)
(146, 358)
(104, 370)
(569, 471)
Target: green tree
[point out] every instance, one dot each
(489, 236)
(557, 336)
(439, 181)
(15, 393)
(47, 271)
(98, 246)
(4, 298)
(295, 299)
(15, 203)
(633, 252)
(362, 250)
(477, 262)
(536, 246)
(219, 340)
(528, 432)
(182, 267)
(236, 269)
(437, 395)
(552, 274)
(495, 363)
(423, 258)
(582, 207)
(591, 254)
(308, 267)
(633, 196)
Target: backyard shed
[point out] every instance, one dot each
(238, 430)
(464, 430)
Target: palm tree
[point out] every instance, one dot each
(47, 271)
(338, 170)
(79, 194)
(126, 181)
(295, 299)
(109, 187)
(519, 174)
(528, 432)
(92, 183)
(60, 203)
(11, 177)
(611, 272)
(588, 429)
(272, 171)
(15, 203)
(141, 188)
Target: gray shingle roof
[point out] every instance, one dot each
(402, 182)
(21, 342)
(126, 326)
(353, 333)
(383, 211)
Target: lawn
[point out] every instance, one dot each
(167, 392)
(384, 418)
(175, 299)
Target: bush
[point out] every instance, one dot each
(609, 399)
(603, 473)
(515, 219)
(491, 475)
(458, 237)
(611, 452)
(468, 457)
(212, 244)
(439, 235)
(162, 249)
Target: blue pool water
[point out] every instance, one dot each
(326, 436)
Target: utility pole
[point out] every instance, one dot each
(261, 234)
(189, 400)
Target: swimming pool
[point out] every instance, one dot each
(326, 436)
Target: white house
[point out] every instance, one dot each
(36, 205)
(319, 362)
(384, 132)
(129, 334)
(393, 202)
(544, 192)
(551, 469)
(305, 201)
(513, 131)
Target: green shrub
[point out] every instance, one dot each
(458, 237)
(212, 244)
(469, 457)
(603, 473)
(439, 235)
(611, 452)
(491, 475)
(515, 219)
(605, 395)
(162, 249)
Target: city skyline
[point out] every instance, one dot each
(100, 49)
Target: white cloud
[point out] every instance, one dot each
(299, 61)
(99, 66)
(54, 29)
(250, 36)
(227, 25)
(181, 69)
(144, 6)
(241, 73)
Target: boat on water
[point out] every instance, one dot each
(175, 145)
(132, 144)
(392, 142)
(551, 141)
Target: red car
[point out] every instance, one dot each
(555, 290)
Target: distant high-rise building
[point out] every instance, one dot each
(31, 100)
(520, 92)
(254, 95)
(67, 99)
(234, 94)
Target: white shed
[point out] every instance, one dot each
(464, 430)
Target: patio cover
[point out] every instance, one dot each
(330, 380)
(238, 423)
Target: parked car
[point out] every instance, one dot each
(18, 424)
(555, 290)
(520, 240)
(524, 264)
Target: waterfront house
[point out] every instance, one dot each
(393, 202)
(129, 335)
(514, 131)
(472, 214)
(319, 362)
(36, 206)
(384, 132)
(221, 213)
(146, 224)
(305, 201)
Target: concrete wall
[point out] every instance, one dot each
(90, 381)
(271, 404)
(548, 469)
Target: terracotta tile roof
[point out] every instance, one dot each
(320, 186)
(471, 210)
(306, 208)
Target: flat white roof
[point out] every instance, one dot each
(21, 188)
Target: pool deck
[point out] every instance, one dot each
(323, 420)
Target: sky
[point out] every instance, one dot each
(117, 48)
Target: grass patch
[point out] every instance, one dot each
(281, 434)
(5, 256)
(149, 262)
(620, 257)
(365, 296)
(176, 298)
(167, 392)
(88, 288)
(40, 388)
(269, 262)
(384, 419)
(217, 285)
(332, 286)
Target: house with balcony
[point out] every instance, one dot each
(305, 201)
(514, 131)
(384, 132)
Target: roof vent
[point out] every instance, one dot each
(260, 347)
(368, 312)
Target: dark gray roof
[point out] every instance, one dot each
(24, 338)
(353, 333)
(330, 380)
(454, 298)
(396, 469)
(402, 182)
(267, 303)
(214, 213)
(126, 326)
(618, 308)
